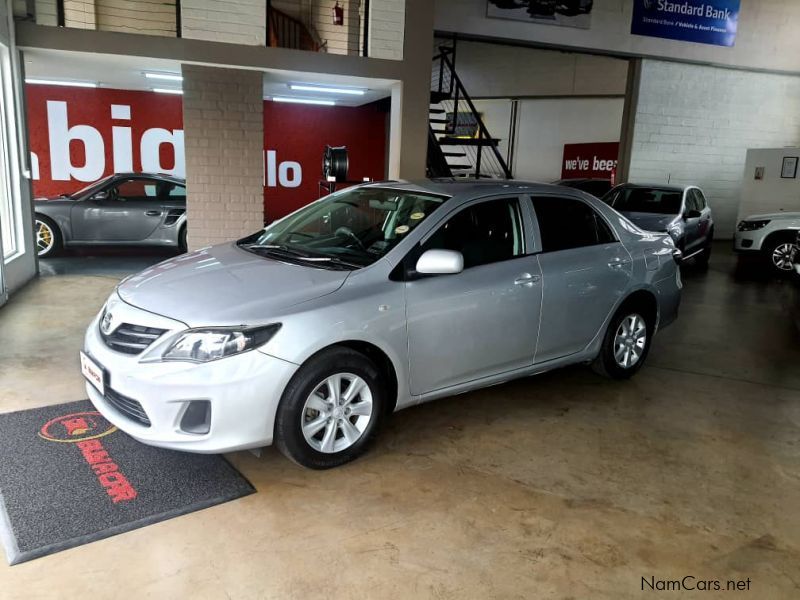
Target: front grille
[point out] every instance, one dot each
(127, 406)
(131, 339)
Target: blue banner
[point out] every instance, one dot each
(702, 21)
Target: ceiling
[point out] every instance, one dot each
(127, 73)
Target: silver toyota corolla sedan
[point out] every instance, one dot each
(309, 333)
(138, 209)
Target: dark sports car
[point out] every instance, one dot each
(130, 209)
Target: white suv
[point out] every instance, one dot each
(773, 235)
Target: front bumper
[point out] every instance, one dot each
(243, 392)
(748, 241)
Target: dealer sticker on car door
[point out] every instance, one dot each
(93, 372)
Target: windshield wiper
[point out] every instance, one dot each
(279, 247)
(303, 256)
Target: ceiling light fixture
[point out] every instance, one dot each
(167, 91)
(165, 76)
(86, 84)
(304, 101)
(326, 90)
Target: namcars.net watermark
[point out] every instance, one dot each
(690, 583)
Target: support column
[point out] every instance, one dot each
(223, 122)
(408, 140)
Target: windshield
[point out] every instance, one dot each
(645, 200)
(352, 228)
(88, 188)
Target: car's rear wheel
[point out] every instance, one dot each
(780, 253)
(626, 343)
(331, 409)
(48, 237)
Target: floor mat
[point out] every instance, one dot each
(68, 477)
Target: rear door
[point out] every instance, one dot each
(585, 271)
(484, 320)
(129, 210)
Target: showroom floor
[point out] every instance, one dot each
(566, 485)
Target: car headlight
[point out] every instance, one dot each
(204, 345)
(752, 225)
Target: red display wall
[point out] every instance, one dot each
(78, 135)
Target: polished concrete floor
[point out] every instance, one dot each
(561, 486)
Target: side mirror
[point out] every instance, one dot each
(692, 214)
(102, 195)
(440, 262)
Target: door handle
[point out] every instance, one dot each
(618, 263)
(153, 213)
(526, 279)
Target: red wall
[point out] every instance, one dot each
(296, 133)
(300, 133)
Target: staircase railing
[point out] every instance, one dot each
(287, 32)
(482, 150)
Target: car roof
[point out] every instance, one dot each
(469, 187)
(162, 176)
(657, 186)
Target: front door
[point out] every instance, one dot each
(484, 320)
(585, 271)
(127, 211)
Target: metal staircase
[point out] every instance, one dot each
(459, 145)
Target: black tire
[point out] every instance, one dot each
(57, 239)
(769, 249)
(289, 437)
(605, 364)
(183, 245)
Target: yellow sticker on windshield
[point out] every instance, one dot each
(402, 229)
(417, 216)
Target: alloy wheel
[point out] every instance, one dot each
(782, 256)
(336, 413)
(45, 238)
(630, 341)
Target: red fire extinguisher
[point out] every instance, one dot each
(338, 14)
(613, 176)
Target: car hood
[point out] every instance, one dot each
(774, 216)
(650, 221)
(225, 285)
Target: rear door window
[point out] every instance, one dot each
(566, 223)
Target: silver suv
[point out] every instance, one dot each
(310, 332)
(772, 236)
(680, 211)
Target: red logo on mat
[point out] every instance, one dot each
(76, 427)
(85, 430)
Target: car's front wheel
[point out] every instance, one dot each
(330, 410)
(183, 244)
(48, 237)
(626, 343)
(780, 254)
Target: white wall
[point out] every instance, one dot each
(767, 38)
(494, 70)
(694, 124)
(773, 193)
(232, 21)
(387, 22)
(546, 125)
